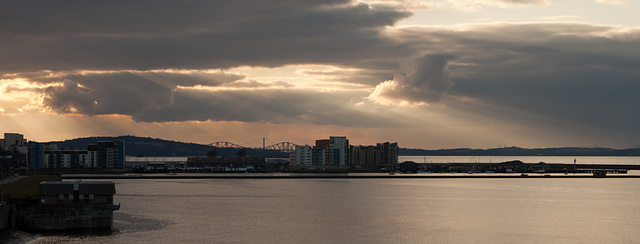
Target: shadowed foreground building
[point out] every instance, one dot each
(67, 205)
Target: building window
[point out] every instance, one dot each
(61, 197)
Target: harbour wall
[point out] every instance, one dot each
(63, 217)
(5, 216)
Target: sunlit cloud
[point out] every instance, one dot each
(428, 81)
(479, 5)
(410, 5)
(612, 1)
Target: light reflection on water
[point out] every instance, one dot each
(373, 211)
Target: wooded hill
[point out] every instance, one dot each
(154, 147)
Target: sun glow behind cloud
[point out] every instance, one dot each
(425, 73)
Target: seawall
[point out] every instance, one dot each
(342, 176)
(5, 216)
(63, 217)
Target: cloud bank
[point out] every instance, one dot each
(161, 61)
(144, 35)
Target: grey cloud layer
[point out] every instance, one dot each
(150, 101)
(141, 35)
(584, 74)
(563, 71)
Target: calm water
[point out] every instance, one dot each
(372, 211)
(526, 159)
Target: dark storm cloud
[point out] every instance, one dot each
(127, 93)
(575, 73)
(70, 98)
(142, 35)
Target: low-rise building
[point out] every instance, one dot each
(68, 192)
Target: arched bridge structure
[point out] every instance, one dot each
(286, 147)
(226, 144)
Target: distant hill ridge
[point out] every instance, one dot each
(155, 147)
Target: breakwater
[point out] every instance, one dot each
(340, 176)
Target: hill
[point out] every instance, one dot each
(154, 147)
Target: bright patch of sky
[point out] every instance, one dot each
(604, 12)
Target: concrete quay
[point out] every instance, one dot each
(343, 176)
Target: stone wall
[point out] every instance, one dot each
(5, 214)
(64, 217)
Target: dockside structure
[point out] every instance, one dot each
(65, 206)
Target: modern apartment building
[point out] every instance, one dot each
(338, 153)
(303, 155)
(35, 155)
(382, 154)
(110, 154)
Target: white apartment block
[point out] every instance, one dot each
(303, 155)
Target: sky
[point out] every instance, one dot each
(426, 74)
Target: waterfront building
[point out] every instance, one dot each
(307, 155)
(166, 162)
(68, 192)
(324, 145)
(105, 154)
(338, 151)
(389, 153)
(92, 154)
(317, 156)
(292, 158)
(66, 158)
(382, 154)
(110, 154)
(227, 164)
(364, 155)
(35, 155)
(303, 155)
